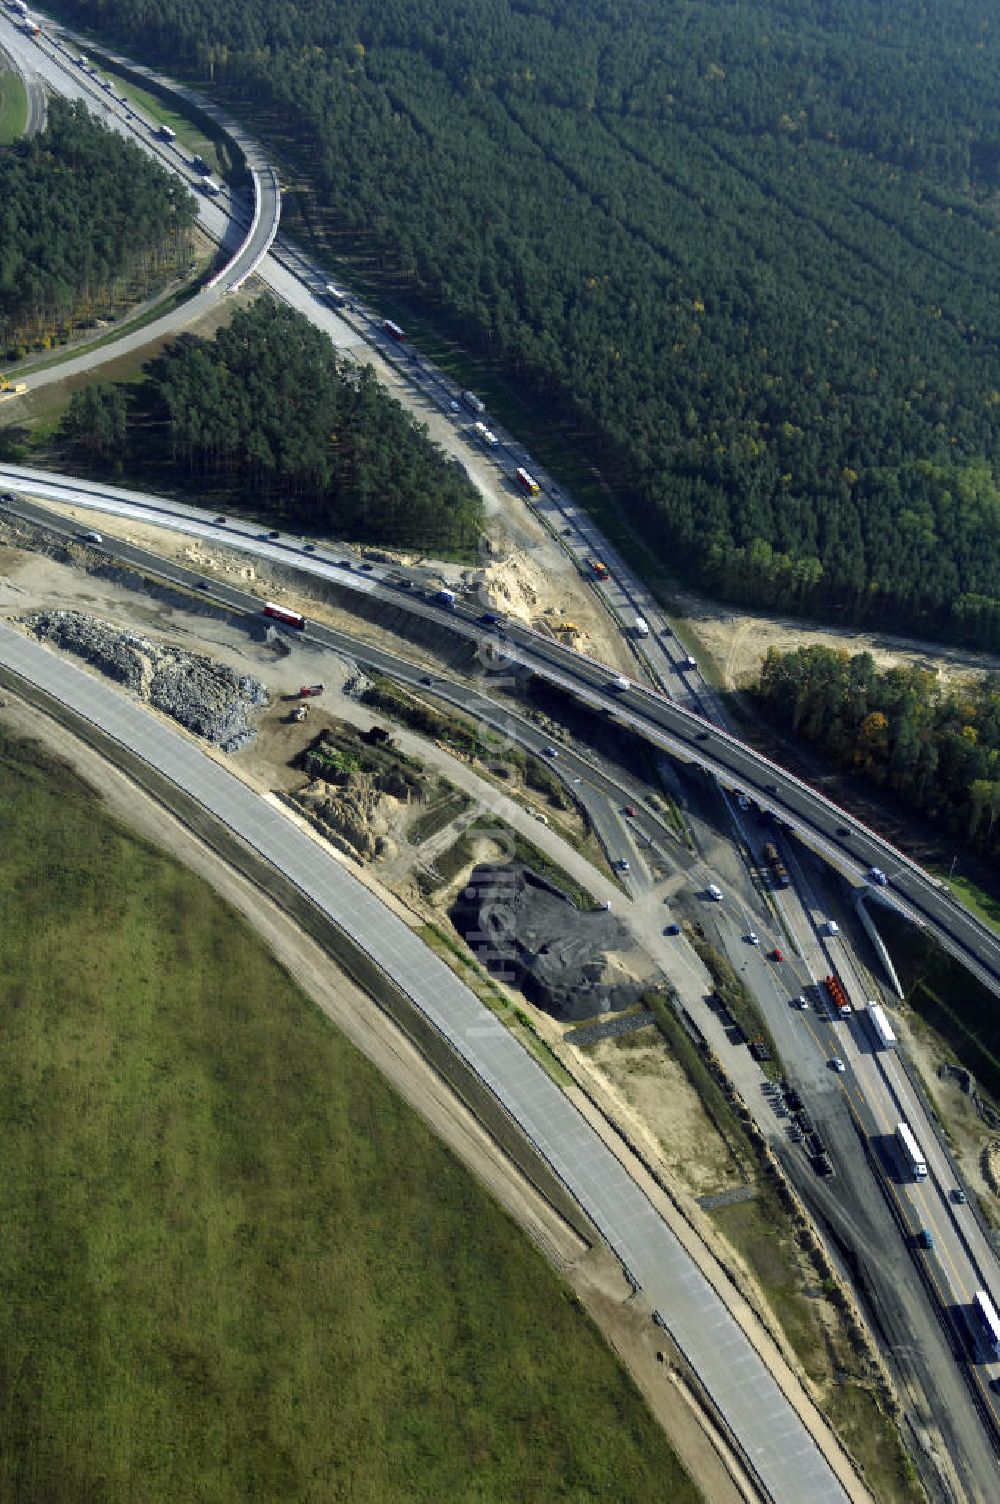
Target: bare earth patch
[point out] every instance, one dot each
(739, 640)
(656, 1088)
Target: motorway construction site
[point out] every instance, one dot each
(630, 1078)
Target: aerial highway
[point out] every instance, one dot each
(772, 1437)
(676, 719)
(247, 232)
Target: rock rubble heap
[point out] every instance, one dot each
(205, 697)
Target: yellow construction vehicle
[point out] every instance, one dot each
(8, 389)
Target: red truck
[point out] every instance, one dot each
(309, 691)
(290, 618)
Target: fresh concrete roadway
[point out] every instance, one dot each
(944, 1401)
(291, 277)
(773, 1439)
(590, 541)
(625, 594)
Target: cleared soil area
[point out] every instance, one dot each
(739, 640)
(666, 1105)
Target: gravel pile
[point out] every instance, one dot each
(529, 933)
(203, 696)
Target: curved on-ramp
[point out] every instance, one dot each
(768, 1430)
(260, 236)
(17, 55)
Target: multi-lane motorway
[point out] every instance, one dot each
(17, 48)
(245, 229)
(835, 835)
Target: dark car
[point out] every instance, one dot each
(367, 568)
(221, 521)
(672, 929)
(274, 534)
(309, 548)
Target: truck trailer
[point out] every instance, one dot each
(473, 403)
(910, 1152)
(987, 1322)
(880, 1026)
(282, 614)
(776, 867)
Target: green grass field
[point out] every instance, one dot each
(13, 108)
(234, 1265)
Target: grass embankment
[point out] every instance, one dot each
(235, 1265)
(479, 981)
(980, 901)
(467, 737)
(449, 864)
(815, 1322)
(449, 805)
(948, 998)
(13, 108)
